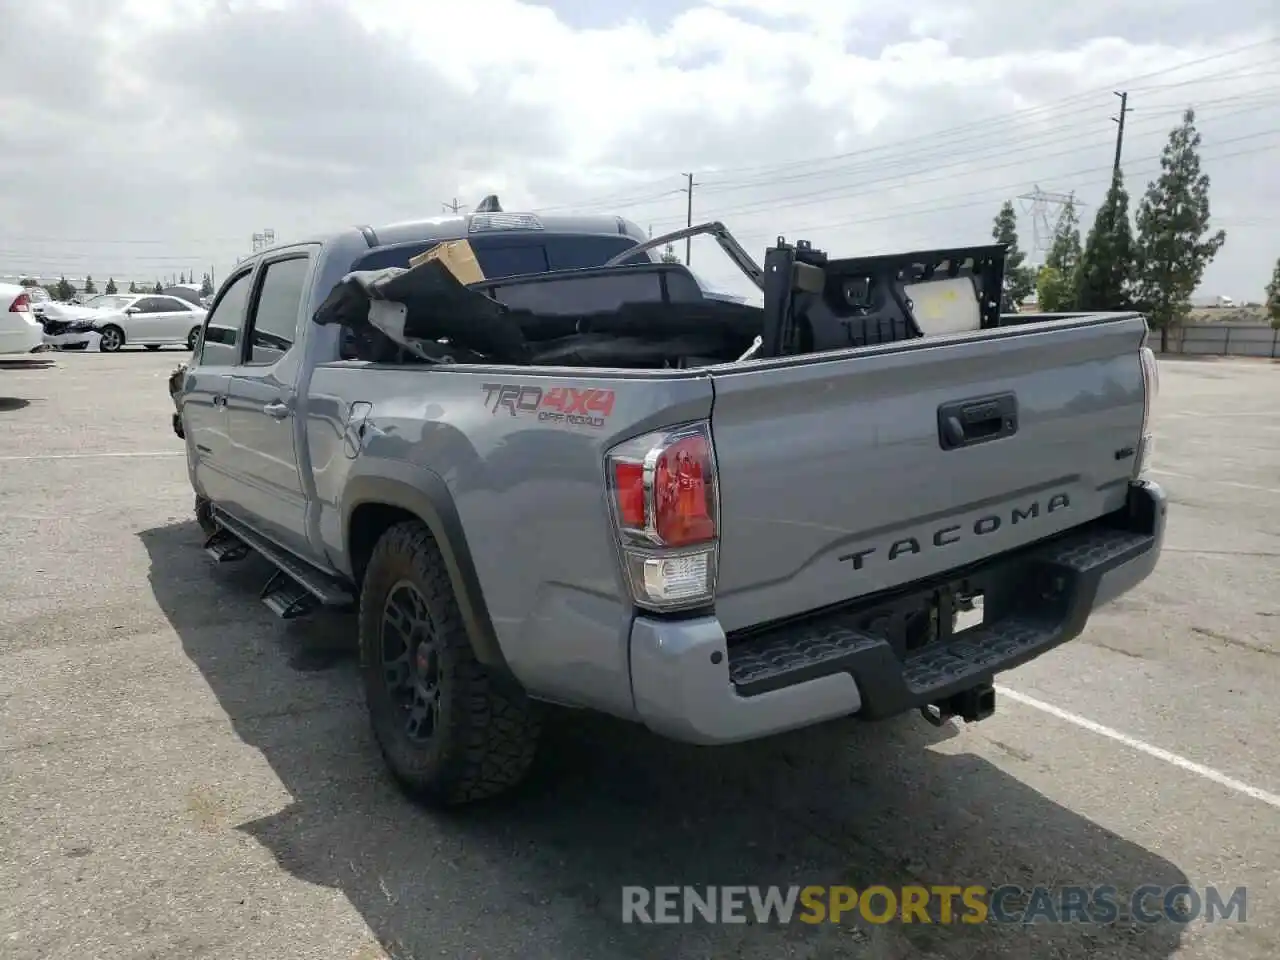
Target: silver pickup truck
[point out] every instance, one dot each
(586, 482)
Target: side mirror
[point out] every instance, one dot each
(130, 311)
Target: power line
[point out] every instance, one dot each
(925, 161)
(612, 199)
(827, 195)
(969, 130)
(1075, 98)
(1144, 165)
(979, 133)
(988, 146)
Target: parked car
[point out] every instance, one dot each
(117, 319)
(770, 520)
(21, 337)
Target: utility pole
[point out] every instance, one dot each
(688, 216)
(454, 207)
(1119, 121)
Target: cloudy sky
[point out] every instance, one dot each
(141, 138)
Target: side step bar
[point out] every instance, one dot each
(295, 588)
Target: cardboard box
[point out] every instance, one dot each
(457, 255)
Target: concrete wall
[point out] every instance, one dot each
(1222, 339)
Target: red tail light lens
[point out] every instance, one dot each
(666, 507)
(21, 304)
(682, 493)
(628, 480)
(664, 487)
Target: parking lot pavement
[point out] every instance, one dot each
(185, 776)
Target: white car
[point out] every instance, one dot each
(116, 319)
(21, 335)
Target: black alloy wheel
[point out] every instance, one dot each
(410, 648)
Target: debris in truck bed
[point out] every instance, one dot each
(422, 305)
(656, 315)
(428, 312)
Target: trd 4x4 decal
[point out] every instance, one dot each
(578, 406)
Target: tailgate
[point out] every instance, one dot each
(842, 477)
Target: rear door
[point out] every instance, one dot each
(262, 404)
(843, 477)
(175, 319)
(204, 414)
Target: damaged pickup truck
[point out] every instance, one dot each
(599, 487)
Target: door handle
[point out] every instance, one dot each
(276, 409)
(219, 400)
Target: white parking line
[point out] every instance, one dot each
(1182, 763)
(90, 456)
(1225, 483)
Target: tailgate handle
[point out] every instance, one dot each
(963, 423)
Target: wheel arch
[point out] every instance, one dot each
(372, 504)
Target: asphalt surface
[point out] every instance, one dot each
(185, 776)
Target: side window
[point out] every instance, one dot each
(275, 318)
(219, 345)
(174, 305)
(149, 305)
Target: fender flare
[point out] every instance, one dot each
(424, 494)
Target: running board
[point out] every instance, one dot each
(225, 547)
(294, 588)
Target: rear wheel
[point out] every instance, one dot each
(204, 516)
(110, 339)
(448, 732)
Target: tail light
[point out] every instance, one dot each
(1150, 390)
(21, 304)
(666, 509)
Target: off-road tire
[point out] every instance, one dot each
(487, 735)
(204, 516)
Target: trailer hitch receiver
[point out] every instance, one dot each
(976, 703)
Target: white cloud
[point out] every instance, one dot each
(191, 124)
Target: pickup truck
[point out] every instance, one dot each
(584, 482)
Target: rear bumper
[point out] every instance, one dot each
(692, 683)
(19, 337)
